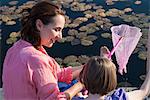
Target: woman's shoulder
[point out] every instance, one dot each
(35, 56)
(118, 94)
(22, 48)
(29, 54)
(35, 59)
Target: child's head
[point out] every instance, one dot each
(99, 76)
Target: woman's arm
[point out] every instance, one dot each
(76, 88)
(67, 74)
(76, 71)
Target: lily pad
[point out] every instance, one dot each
(81, 35)
(86, 42)
(83, 28)
(90, 38)
(106, 35)
(10, 23)
(76, 6)
(13, 3)
(70, 59)
(128, 10)
(83, 59)
(142, 55)
(109, 2)
(59, 60)
(97, 7)
(124, 84)
(102, 14)
(14, 34)
(62, 40)
(88, 16)
(83, 19)
(73, 25)
(75, 42)
(72, 32)
(6, 18)
(114, 12)
(74, 64)
(11, 40)
(137, 2)
(69, 38)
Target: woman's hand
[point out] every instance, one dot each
(76, 71)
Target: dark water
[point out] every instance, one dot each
(136, 67)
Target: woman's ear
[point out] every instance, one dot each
(39, 24)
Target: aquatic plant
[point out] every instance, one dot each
(106, 35)
(13, 3)
(59, 60)
(137, 2)
(75, 42)
(83, 59)
(10, 23)
(124, 84)
(72, 32)
(69, 38)
(90, 37)
(81, 35)
(86, 42)
(70, 59)
(142, 55)
(11, 40)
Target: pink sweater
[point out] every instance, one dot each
(30, 74)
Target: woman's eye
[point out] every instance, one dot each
(57, 29)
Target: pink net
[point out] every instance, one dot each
(125, 39)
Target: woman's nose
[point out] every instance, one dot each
(59, 36)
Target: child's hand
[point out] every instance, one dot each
(83, 94)
(104, 52)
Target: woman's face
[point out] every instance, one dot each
(51, 32)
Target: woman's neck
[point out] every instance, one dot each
(41, 48)
(95, 97)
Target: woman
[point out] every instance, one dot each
(29, 73)
(99, 78)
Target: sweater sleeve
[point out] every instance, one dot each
(44, 80)
(64, 74)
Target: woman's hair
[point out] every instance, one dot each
(99, 76)
(45, 11)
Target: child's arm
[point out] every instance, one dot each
(145, 88)
(143, 91)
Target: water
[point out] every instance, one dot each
(136, 67)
